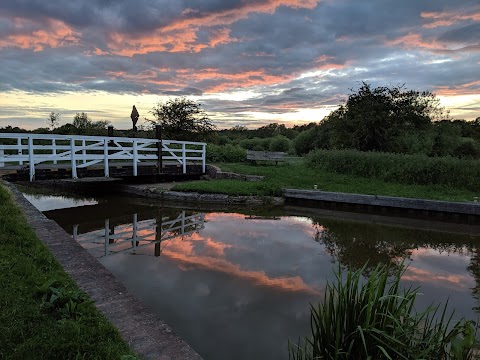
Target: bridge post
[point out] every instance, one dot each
(110, 135)
(54, 151)
(31, 161)
(158, 136)
(20, 152)
(105, 158)
(84, 151)
(2, 154)
(184, 158)
(204, 158)
(72, 157)
(135, 158)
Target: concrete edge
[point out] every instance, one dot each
(145, 333)
(198, 197)
(385, 201)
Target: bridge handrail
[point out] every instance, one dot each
(91, 150)
(92, 138)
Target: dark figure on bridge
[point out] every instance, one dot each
(134, 116)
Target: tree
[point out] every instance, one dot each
(372, 118)
(86, 126)
(182, 119)
(81, 121)
(53, 120)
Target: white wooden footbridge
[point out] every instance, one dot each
(42, 156)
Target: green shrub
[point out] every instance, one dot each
(222, 140)
(399, 168)
(225, 153)
(467, 150)
(280, 143)
(374, 319)
(305, 142)
(256, 144)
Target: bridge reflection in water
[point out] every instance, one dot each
(118, 237)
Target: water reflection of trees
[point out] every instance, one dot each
(352, 244)
(474, 270)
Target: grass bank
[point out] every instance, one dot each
(300, 176)
(43, 314)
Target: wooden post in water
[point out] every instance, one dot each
(158, 136)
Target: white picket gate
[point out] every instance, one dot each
(83, 151)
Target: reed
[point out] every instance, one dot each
(400, 168)
(376, 319)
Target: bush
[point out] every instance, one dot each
(256, 144)
(280, 143)
(222, 140)
(305, 142)
(373, 319)
(398, 168)
(467, 150)
(226, 153)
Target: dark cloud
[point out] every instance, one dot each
(469, 33)
(292, 54)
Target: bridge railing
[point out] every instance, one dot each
(83, 151)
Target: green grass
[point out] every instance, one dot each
(297, 175)
(43, 315)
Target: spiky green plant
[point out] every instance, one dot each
(375, 319)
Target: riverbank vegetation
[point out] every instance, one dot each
(298, 175)
(377, 319)
(43, 314)
(398, 168)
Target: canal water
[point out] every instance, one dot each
(237, 285)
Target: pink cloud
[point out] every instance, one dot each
(181, 34)
(230, 16)
(30, 34)
(412, 40)
(420, 275)
(470, 88)
(448, 18)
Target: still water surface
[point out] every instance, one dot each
(238, 285)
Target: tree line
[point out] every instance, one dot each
(381, 119)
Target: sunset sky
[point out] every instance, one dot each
(249, 62)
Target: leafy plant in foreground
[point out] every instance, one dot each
(68, 303)
(374, 319)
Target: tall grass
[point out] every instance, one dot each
(399, 168)
(375, 319)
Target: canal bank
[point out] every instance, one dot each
(231, 258)
(146, 334)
